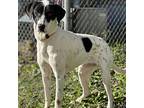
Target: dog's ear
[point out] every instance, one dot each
(30, 8)
(60, 12)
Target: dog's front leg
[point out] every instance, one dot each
(59, 89)
(59, 72)
(46, 78)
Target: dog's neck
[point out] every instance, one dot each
(53, 31)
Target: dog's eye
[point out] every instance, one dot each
(39, 10)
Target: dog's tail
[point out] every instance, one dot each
(118, 70)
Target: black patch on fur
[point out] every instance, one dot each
(47, 36)
(87, 43)
(53, 11)
(58, 102)
(38, 11)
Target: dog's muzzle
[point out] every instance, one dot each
(41, 27)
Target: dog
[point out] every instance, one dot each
(61, 51)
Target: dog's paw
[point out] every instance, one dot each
(72, 102)
(46, 106)
(82, 97)
(79, 99)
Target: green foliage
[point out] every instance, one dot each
(119, 52)
(31, 89)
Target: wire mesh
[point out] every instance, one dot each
(105, 18)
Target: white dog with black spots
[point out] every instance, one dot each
(61, 51)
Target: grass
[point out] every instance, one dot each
(31, 89)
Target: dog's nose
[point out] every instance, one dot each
(41, 27)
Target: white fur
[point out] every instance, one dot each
(45, 2)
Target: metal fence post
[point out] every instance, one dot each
(67, 15)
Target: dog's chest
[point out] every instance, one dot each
(42, 51)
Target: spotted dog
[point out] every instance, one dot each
(61, 51)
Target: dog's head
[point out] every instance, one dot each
(45, 16)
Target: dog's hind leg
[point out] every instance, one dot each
(84, 73)
(107, 82)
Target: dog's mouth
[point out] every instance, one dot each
(44, 33)
(42, 36)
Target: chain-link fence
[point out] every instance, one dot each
(105, 18)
